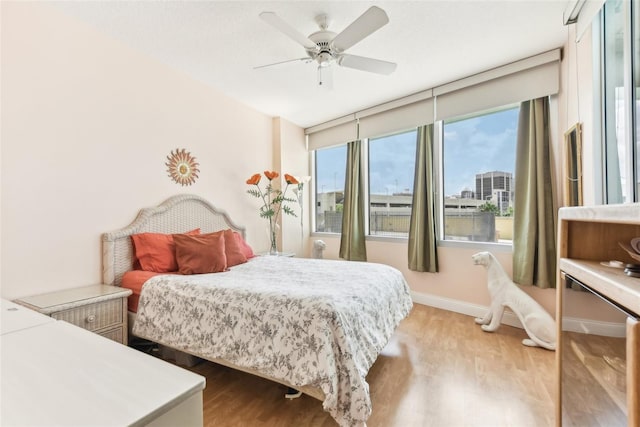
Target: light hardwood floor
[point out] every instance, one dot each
(439, 369)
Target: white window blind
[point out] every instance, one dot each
(404, 114)
(526, 79)
(530, 78)
(335, 132)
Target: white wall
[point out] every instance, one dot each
(87, 124)
(577, 106)
(291, 156)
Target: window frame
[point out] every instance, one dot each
(313, 200)
(439, 171)
(601, 193)
(439, 192)
(367, 199)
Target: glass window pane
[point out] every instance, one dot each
(331, 164)
(616, 172)
(391, 170)
(478, 176)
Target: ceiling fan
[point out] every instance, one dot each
(326, 47)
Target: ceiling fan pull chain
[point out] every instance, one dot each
(325, 78)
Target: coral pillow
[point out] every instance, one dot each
(232, 249)
(200, 254)
(156, 251)
(244, 246)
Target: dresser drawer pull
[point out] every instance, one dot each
(90, 318)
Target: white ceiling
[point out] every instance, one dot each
(433, 42)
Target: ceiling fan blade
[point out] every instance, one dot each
(284, 27)
(282, 62)
(367, 64)
(370, 21)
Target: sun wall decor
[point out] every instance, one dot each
(182, 167)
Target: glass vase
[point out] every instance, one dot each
(273, 239)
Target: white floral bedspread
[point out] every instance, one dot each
(305, 321)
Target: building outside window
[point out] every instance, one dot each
(478, 155)
(497, 187)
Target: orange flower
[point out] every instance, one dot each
(290, 179)
(274, 200)
(271, 175)
(255, 179)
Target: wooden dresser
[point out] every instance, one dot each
(598, 359)
(98, 308)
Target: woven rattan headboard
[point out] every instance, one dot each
(177, 214)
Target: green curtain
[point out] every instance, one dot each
(423, 254)
(534, 234)
(352, 242)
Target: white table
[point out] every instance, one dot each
(54, 373)
(16, 318)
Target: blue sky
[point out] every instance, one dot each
(471, 146)
(391, 163)
(478, 145)
(330, 169)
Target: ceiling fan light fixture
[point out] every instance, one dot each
(324, 59)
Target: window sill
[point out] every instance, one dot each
(479, 246)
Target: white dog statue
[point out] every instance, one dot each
(318, 248)
(538, 324)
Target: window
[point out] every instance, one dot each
(331, 164)
(621, 64)
(478, 160)
(391, 170)
(478, 155)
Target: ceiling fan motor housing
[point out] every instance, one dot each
(323, 54)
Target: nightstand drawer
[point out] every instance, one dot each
(94, 316)
(115, 334)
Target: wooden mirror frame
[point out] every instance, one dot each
(573, 166)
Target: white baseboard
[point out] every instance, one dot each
(608, 329)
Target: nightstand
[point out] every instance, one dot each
(98, 308)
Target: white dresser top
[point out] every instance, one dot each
(58, 374)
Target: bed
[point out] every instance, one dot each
(314, 325)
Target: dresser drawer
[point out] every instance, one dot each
(94, 316)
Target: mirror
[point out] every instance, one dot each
(573, 166)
